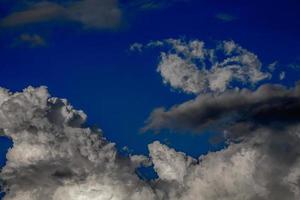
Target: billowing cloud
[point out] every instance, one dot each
(257, 168)
(55, 157)
(193, 68)
(90, 13)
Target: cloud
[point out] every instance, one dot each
(172, 165)
(31, 40)
(295, 66)
(136, 47)
(193, 68)
(144, 5)
(90, 13)
(55, 157)
(273, 66)
(282, 75)
(262, 157)
(235, 112)
(225, 17)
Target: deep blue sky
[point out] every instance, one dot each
(95, 71)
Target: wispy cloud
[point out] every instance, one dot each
(152, 4)
(30, 40)
(282, 75)
(90, 13)
(225, 17)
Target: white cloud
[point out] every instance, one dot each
(273, 66)
(193, 68)
(181, 74)
(136, 47)
(31, 40)
(55, 157)
(169, 164)
(282, 75)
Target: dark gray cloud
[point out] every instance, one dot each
(90, 13)
(270, 106)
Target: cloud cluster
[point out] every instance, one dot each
(54, 157)
(193, 68)
(90, 13)
(261, 127)
(262, 131)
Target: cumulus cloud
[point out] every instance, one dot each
(90, 13)
(193, 68)
(54, 156)
(265, 166)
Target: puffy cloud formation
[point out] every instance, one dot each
(54, 157)
(90, 13)
(263, 166)
(193, 68)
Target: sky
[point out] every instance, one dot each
(122, 61)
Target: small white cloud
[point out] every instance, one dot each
(136, 47)
(193, 68)
(31, 40)
(282, 75)
(272, 66)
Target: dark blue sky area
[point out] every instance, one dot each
(96, 72)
